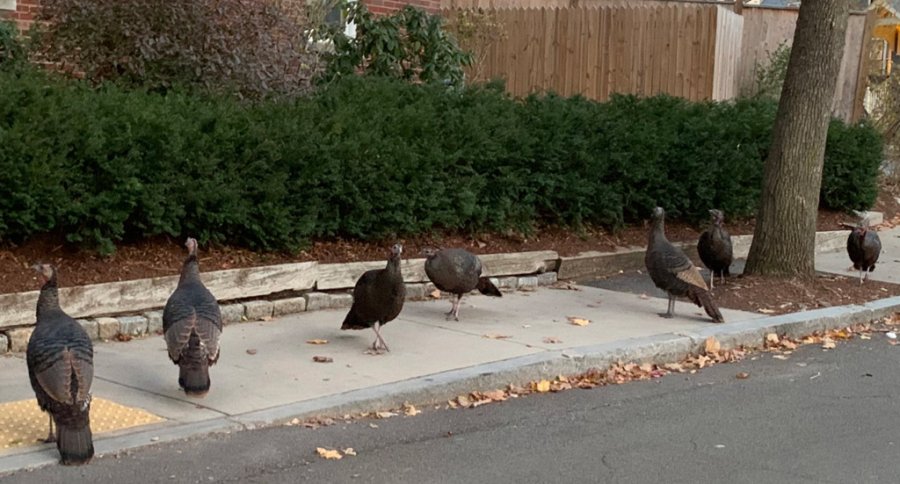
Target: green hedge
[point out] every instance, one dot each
(369, 158)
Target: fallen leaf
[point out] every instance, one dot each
(374, 426)
(410, 410)
(317, 341)
(552, 340)
(742, 375)
(828, 344)
(323, 359)
(542, 386)
(251, 351)
(674, 367)
(124, 337)
(495, 336)
(644, 296)
(766, 311)
(772, 338)
(712, 345)
(330, 454)
(349, 451)
(385, 414)
(463, 401)
(578, 321)
(436, 294)
(788, 344)
(496, 395)
(864, 336)
(779, 357)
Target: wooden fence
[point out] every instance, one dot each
(684, 50)
(699, 51)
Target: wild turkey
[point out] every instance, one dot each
(60, 361)
(673, 272)
(192, 326)
(863, 246)
(714, 248)
(378, 299)
(457, 271)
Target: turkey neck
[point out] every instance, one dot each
(191, 269)
(393, 267)
(658, 231)
(48, 300)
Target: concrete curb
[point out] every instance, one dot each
(439, 387)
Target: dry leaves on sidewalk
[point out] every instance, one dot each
(578, 321)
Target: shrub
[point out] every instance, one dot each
(250, 46)
(370, 158)
(11, 49)
(409, 44)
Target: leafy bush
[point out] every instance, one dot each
(852, 159)
(369, 158)
(769, 75)
(409, 44)
(250, 46)
(11, 49)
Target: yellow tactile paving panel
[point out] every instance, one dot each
(22, 423)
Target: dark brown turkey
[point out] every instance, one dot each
(457, 271)
(714, 248)
(60, 360)
(673, 272)
(378, 298)
(192, 326)
(863, 246)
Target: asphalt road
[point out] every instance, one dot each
(639, 282)
(819, 416)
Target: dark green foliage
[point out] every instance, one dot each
(369, 158)
(11, 49)
(409, 44)
(852, 158)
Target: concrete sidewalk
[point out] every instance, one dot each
(266, 371)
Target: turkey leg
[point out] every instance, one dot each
(454, 310)
(712, 279)
(51, 437)
(861, 275)
(379, 339)
(671, 311)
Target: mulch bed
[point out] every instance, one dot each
(163, 256)
(780, 296)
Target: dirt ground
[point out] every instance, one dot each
(774, 296)
(163, 256)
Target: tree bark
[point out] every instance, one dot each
(784, 238)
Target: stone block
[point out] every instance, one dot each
(4, 344)
(108, 328)
(90, 327)
(232, 313)
(528, 283)
(415, 292)
(154, 322)
(341, 300)
(547, 279)
(133, 325)
(18, 339)
(288, 306)
(317, 300)
(258, 310)
(508, 282)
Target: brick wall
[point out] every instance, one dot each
(24, 13)
(388, 6)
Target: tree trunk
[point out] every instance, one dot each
(784, 238)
